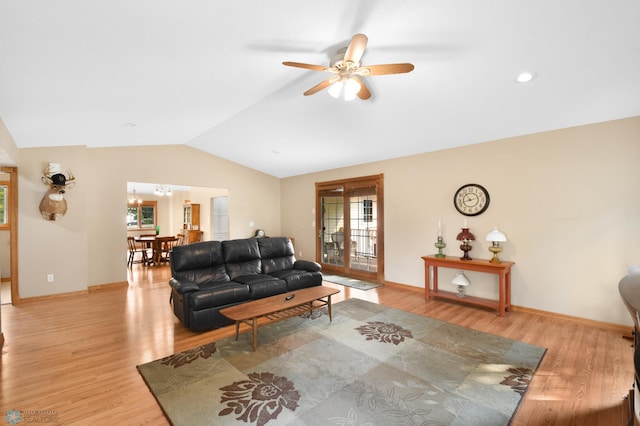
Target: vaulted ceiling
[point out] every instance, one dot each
(209, 74)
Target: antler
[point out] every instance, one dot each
(48, 174)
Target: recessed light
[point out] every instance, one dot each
(129, 124)
(525, 77)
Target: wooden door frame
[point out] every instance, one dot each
(13, 230)
(322, 186)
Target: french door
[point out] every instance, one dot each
(349, 217)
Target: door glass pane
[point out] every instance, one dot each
(333, 229)
(363, 220)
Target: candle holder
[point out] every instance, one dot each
(440, 244)
(465, 236)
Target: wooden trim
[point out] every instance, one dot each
(407, 287)
(90, 289)
(53, 296)
(13, 231)
(594, 323)
(109, 286)
(327, 185)
(600, 324)
(5, 279)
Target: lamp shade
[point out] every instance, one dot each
(465, 234)
(336, 89)
(496, 235)
(346, 88)
(460, 279)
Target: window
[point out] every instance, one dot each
(142, 215)
(4, 205)
(367, 210)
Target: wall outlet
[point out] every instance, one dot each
(300, 253)
(49, 278)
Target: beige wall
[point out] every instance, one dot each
(567, 200)
(52, 247)
(87, 247)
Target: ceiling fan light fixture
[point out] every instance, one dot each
(336, 89)
(351, 89)
(346, 69)
(346, 88)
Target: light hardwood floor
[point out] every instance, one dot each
(75, 356)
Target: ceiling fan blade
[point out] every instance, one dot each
(305, 66)
(318, 87)
(364, 92)
(385, 69)
(356, 47)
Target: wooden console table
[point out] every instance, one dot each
(503, 270)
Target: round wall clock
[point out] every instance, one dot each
(471, 199)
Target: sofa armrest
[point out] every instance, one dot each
(183, 286)
(307, 265)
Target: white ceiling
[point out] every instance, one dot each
(209, 74)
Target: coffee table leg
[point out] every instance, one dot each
(255, 333)
(237, 329)
(329, 305)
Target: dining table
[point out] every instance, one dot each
(157, 244)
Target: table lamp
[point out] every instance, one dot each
(461, 281)
(465, 236)
(495, 237)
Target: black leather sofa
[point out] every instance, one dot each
(212, 275)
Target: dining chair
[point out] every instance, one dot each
(133, 249)
(167, 246)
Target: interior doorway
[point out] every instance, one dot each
(351, 227)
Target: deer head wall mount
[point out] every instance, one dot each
(53, 205)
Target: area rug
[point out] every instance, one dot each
(372, 365)
(350, 282)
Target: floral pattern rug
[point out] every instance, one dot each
(372, 365)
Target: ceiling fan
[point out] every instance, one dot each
(347, 70)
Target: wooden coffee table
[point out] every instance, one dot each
(279, 307)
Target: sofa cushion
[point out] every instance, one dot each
(199, 263)
(218, 294)
(297, 279)
(277, 254)
(242, 257)
(262, 285)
